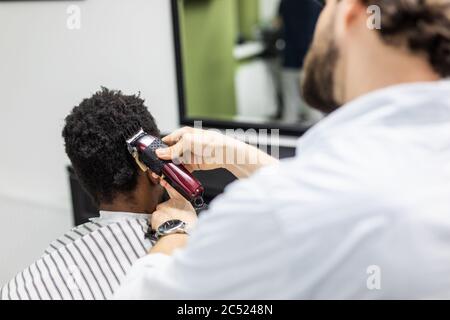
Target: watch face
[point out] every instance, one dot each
(170, 225)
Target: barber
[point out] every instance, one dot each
(362, 211)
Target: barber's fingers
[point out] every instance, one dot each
(175, 136)
(192, 167)
(171, 153)
(173, 194)
(178, 150)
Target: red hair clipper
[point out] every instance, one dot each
(142, 147)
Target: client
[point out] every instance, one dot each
(90, 261)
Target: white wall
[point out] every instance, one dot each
(46, 69)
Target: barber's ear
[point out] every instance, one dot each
(349, 12)
(152, 177)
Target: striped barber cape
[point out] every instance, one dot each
(87, 263)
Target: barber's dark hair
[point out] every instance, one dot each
(94, 141)
(423, 26)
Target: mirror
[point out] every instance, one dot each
(240, 61)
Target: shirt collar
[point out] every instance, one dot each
(376, 103)
(110, 216)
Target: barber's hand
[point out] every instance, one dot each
(177, 208)
(201, 149)
(197, 149)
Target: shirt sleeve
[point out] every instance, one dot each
(292, 230)
(233, 253)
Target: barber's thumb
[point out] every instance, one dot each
(173, 194)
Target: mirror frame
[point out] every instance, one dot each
(287, 130)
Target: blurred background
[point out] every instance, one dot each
(243, 58)
(224, 61)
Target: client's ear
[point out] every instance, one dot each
(153, 178)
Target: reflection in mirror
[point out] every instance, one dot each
(242, 59)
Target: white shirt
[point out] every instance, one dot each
(86, 263)
(362, 211)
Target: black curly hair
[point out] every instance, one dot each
(94, 141)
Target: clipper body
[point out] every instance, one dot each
(142, 146)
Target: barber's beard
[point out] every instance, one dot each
(318, 85)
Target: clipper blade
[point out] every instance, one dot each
(131, 135)
(132, 131)
(132, 138)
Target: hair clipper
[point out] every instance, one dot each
(142, 147)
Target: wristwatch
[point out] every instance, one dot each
(168, 228)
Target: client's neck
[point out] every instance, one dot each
(122, 208)
(127, 204)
